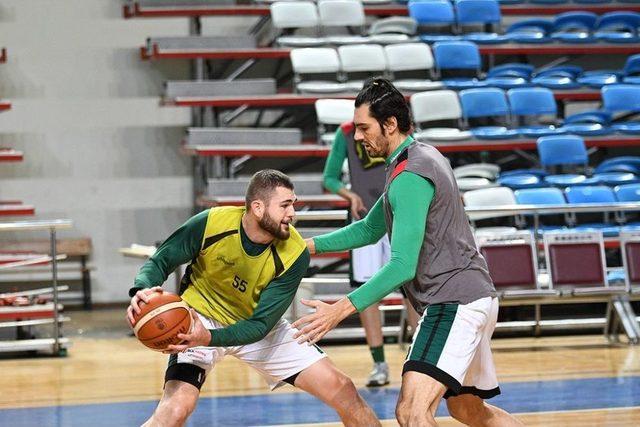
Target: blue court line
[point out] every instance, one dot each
(294, 408)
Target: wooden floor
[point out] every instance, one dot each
(105, 366)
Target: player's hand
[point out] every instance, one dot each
(199, 336)
(357, 206)
(142, 295)
(314, 326)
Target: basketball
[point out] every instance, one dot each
(161, 320)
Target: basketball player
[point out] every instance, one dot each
(245, 266)
(433, 254)
(366, 175)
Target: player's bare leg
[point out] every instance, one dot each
(324, 381)
(178, 402)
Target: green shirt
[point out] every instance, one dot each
(184, 245)
(410, 196)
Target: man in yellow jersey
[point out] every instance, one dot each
(245, 266)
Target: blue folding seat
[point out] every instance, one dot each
(593, 194)
(484, 12)
(631, 71)
(574, 27)
(540, 173)
(519, 181)
(559, 150)
(559, 77)
(588, 123)
(533, 102)
(544, 196)
(620, 164)
(530, 31)
(458, 56)
(614, 178)
(622, 98)
(509, 76)
(433, 13)
(618, 27)
(486, 102)
(627, 192)
(593, 1)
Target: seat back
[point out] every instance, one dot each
(435, 105)
(590, 194)
(540, 196)
(341, 13)
(483, 102)
(409, 57)
(627, 192)
(394, 25)
(315, 60)
(532, 101)
(478, 12)
(632, 65)
(558, 150)
(457, 55)
(630, 249)
(622, 21)
(575, 259)
(575, 21)
(619, 98)
(369, 58)
(512, 259)
(436, 12)
(334, 111)
(294, 14)
(486, 197)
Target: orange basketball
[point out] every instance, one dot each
(161, 320)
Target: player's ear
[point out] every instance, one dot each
(257, 208)
(390, 125)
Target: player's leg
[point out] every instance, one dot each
(420, 395)
(178, 402)
(280, 359)
(441, 351)
(326, 382)
(481, 382)
(185, 375)
(365, 262)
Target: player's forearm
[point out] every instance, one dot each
(361, 233)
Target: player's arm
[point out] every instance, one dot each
(275, 298)
(365, 232)
(333, 171)
(410, 196)
(179, 248)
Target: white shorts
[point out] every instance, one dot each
(277, 357)
(452, 344)
(366, 261)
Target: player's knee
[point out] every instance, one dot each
(403, 412)
(466, 410)
(174, 413)
(347, 393)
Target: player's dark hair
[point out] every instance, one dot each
(385, 101)
(263, 183)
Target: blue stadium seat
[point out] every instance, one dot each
(487, 102)
(560, 77)
(458, 55)
(574, 27)
(485, 12)
(534, 102)
(530, 31)
(631, 70)
(620, 164)
(509, 76)
(614, 178)
(593, 194)
(433, 13)
(618, 27)
(627, 192)
(566, 180)
(520, 181)
(562, 150)
(540, 173)
(593, 1)
(540, 196)
(622, 98)
(588, 123)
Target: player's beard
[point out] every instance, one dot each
(273, 227)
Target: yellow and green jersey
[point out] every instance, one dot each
(244, 285)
